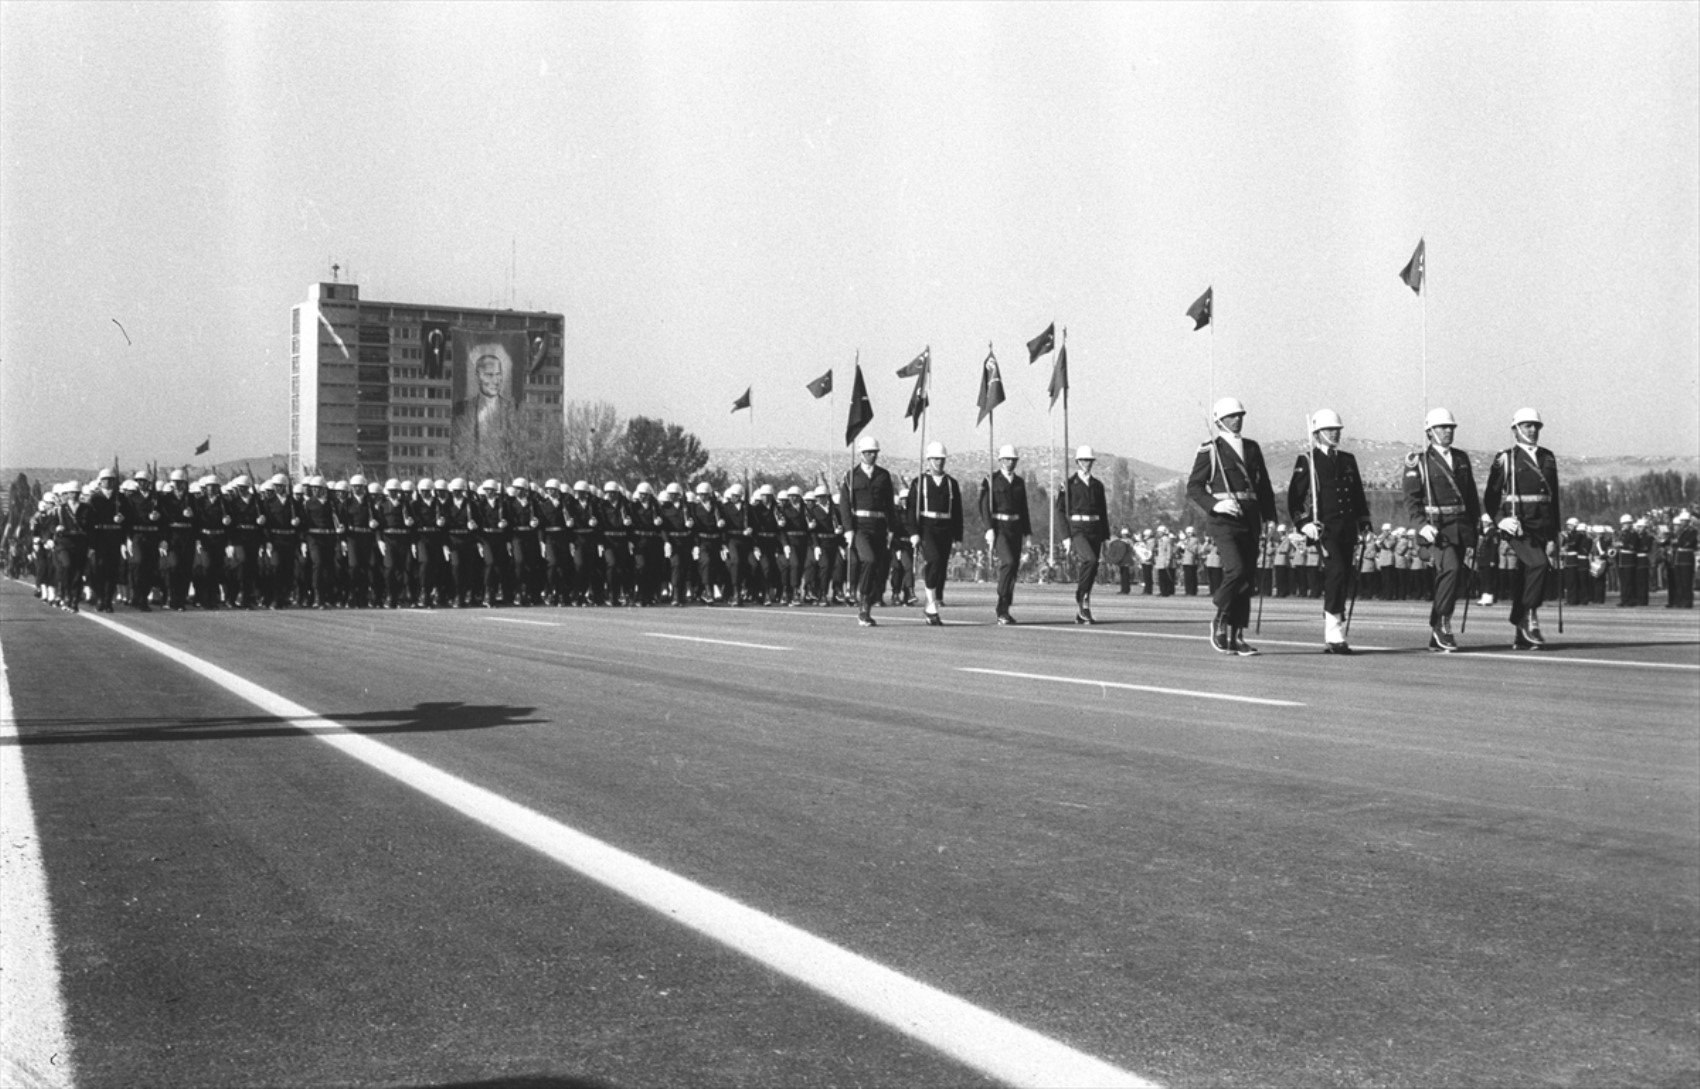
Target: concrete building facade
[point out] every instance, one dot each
(359, 398)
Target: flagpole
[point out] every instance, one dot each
(1051, 465)
(1425, 342)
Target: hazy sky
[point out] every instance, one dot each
(747, 195)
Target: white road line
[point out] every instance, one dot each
(976, 1037)
(1555, 655)
(517, 620)
(1089, 683)
(718, 642)
(34, 1049)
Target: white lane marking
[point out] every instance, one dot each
(1554, 655)
(34, 1048)
(1120, 686)
(517, 620)
(976, 1037)
(718, 642)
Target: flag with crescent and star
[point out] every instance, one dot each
(991, 386)
(1199, 311)
(1414, 269)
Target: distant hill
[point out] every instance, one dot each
(1035, 461)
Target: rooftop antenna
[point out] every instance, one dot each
(335, 268)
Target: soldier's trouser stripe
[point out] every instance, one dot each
(1123, 687)
(976, 1037)
(32, 1011)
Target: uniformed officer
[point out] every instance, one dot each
(868, 508)
(739, 535)
(1003, 507)
(935, 503)
(495, 536)
(146, 523)
(678, 530)
(1441, 499)
(1230, 484)
(648, 555)
(1083, 508)
(557, 548)
(281, 516)
(1683, 542)
(825, 535)
(794, 532)
(710, 539)
(107, 513)
(1325, 499)
(1522, 492)
(429, 498)
(616, 516)
(73, 526)
(526, 547)
(764, 561)
(462, 521)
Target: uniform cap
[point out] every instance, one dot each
(1227, 406)
(866, 443)
(1006, 452)
(277, 478)
(1438, 417)
(392, 484)
(241, 481)
(179, 474)
(407, 485)
(107, 474)
(316, 481)
(673, 489)
(935, 450)
(297, 490)
(581, 486)
(129, 486)
(487, 486)
(1324, 418)
(373, 489)
(519, 482)
(141, 474)
(643, 488)
(356, 481)
(426, 484)
(439, 484)
(794, 492)
(735, 489)
(339, 486)
(457, 485)
(1525, 415)
(1085, 454)
(551, 485)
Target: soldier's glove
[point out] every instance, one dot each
(1312, 531)
(118, 519)
(1227, 506)
(989, 536)
(1428, 534)
(1511, 526)
(1064, 544)
(915, 540)
(696, 552)
(667, 549)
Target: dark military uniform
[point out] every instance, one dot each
(213, 523)
(1218, 474)
(1003, 506)
(1440, 493)
(73, 526)
(1083, 508)
(143, 519)
(462, 520)
(734, 523)
(282, 514)
(868, 507)
(1682, 566)
(1341, 511)
(936, 506)
(1522, 483)
(647, 551)
(107, 511)
(825, 535)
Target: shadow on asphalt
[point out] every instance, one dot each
(540, 1081)
(421, 718)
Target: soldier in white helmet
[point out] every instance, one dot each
(1326, 501)
(1003, 506)
(1230, 484)
(1441, 500)
(1082, 506)
(1522, 494)
(868, 506)
(935, 502)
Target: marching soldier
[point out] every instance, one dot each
(526, 548)
(1230, 484)
(868, 508)
(1683, 542)
(710, 539)
(734, 522)
(824, 536)
(1326, 500)
(1522, 492)
(247, 538)
(764, 524)
(319, 519)
(647, 549)
(1440, 498)
(73, 526)
(144, 520)
(107, 513)
(213, 523)
(902, 553)
(282, 515)
(1576, 547)
(936, 505)
(557, 547)
(584, 518)
(433, 529)
(678, 530)
(1003, 506)
(495, 535)
(616, 518)
(794, 528)
(461, 520)
(395, 537)
(1083, 508)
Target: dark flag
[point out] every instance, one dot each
(1059, 375)
(538, 349)
(821, 386)
(1042, 343)
(991, 386)
(205, 446)
(434, 346)
(1199, 311)
(917, 365)
(861, 409)
(917, 401)
(744, 401)
(1412, 273)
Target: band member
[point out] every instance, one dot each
(1441, 499)
(936, 503)
(869, 507)
(1230, 484)
(1082, 507)
(1003, 504)
(1326, 500)
(1522, 493)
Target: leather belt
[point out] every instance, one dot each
(1006, 517)
(869, 514)
(1083, 517)
(1244, 497)
(1453, 509)
(934, 514)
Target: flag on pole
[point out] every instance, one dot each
(205, 446)
(1041, 344)
(537, 344)
(821, 386)
(918, 398)
(1059, 375)
(1412, 273)
(434, 344)
(327, 324)
(917, 365)
(1199, 311)
(991, 386)
(861, 409)
(744, 401)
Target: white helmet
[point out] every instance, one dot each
(1006, 452)
(702, 488)
(643, 488)
(1324, 418)
(610, 486)
(866, 443)
(1085, 454)
(241, 481)
(552, 485)
(519, 482)
(735, 489)
(390, 485)
(903, 492)
(1227, 406)
(793, 492)
(935, 450)
(581, 486)
(489, 485)
(438, 484)
(407, 486)
(356, 481)
(458, 484)
(373, 489)
(316, 481)
(1438, 417)
(672, 489)
(1525, 416)
(765, 489)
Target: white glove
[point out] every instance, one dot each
(696, 552)
(1511, 526)
(1312, 531)
(667, 549)
(915, 540)
(1227, 506)
(989, 536)
(1064, 544)
(1428, 534)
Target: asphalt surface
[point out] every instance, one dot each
(1400, 869)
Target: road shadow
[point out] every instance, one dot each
(536, 1081)
(420, 718)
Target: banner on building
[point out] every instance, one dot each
(489, 373)
(434, 347)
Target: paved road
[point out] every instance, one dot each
(1397, 869)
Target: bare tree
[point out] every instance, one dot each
(593, 441)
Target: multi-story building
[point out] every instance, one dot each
(359, 398)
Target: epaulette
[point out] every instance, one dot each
(1412, 458)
